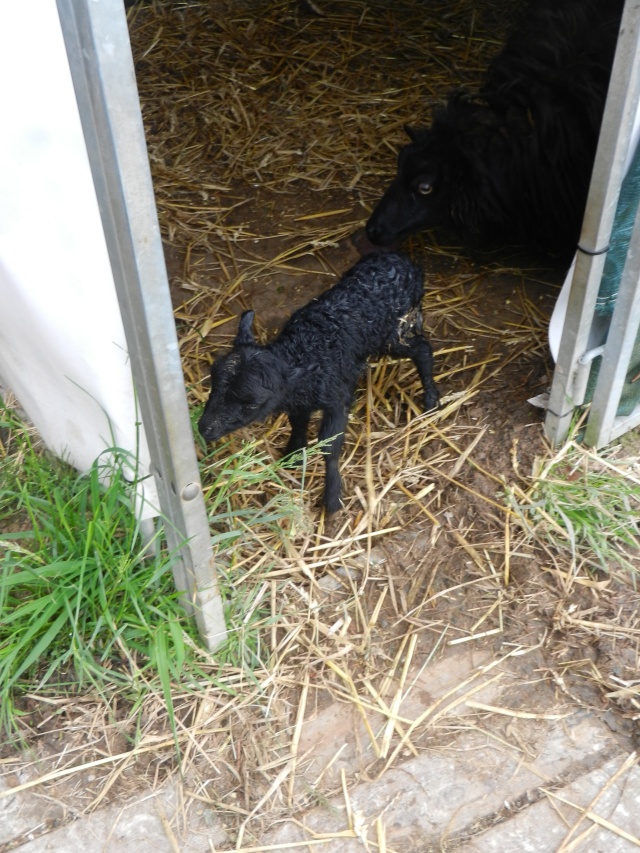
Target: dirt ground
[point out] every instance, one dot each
(398, 638)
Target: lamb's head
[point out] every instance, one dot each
(247, 385)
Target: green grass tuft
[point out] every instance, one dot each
(589, 504)
(82, 605)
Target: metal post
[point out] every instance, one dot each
(613, 145)
(99, 53)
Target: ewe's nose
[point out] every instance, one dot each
(378, 238)
(373, 235)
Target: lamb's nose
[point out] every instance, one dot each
(204, 428)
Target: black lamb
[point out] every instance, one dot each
(316, 360)
(512, 165)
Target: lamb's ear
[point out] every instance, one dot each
(245, 329)
(411, 132)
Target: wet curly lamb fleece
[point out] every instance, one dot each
(316, 360)
(512, 164)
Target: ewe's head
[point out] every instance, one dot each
(438, 172)
(246, 386)
(414, 200)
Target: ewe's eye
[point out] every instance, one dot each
(424, 188)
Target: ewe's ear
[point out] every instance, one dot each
(245, 330)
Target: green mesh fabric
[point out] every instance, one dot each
(614, 264)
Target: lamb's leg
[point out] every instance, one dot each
(333, 425)
(419, 350)
(299, 420)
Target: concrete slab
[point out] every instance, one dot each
(336, 739)
(545, 825)
(24, 816)
(478, 782)
(150, 823)
(435, 799)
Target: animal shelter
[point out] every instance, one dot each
(104, 97)
(422, 669)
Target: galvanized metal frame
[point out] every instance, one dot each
(99, 53)
(573, 363)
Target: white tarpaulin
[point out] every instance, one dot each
(62, 345)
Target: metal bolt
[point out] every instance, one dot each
(190, 491)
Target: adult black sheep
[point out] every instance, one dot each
(512, 164)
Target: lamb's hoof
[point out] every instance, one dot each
(332, 506)
(331, 511)
(432, 402)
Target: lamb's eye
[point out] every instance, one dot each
(424, 188)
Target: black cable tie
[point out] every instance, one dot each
(595, 252)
